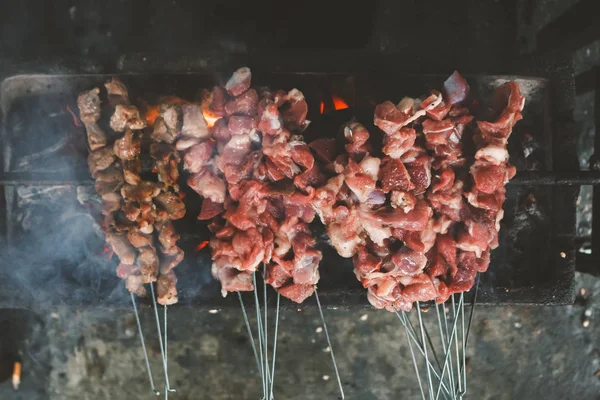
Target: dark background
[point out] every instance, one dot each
(515, 353)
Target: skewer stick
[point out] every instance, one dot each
(260, 337)
(448, 350)
(454, 314)
(275, 346)
(160, 339)
(266, 337)
(251, 335)
(337, 374)
(429, 381)
(413, 336)
(139, 325)
(166, 354)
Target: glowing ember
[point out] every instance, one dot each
(75, 119)
(109, 251)
(181, 195)
(210, 118)
(338, 103)
(151, 114)
(322, 108)
(201, 245)
(16, 376)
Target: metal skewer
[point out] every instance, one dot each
(160, 340)
(337, 374)
(275, 346)
(139, 325)
(250, 334)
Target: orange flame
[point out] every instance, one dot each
(322, 107)
(339, 103)
(210, 118)
(75, 119)
(151, 114)
(201, 245)
(16, 376)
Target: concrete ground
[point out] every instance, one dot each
(513, 353)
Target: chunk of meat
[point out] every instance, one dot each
(89, 106)
(198, 156)
(186, 142)
(358, 140)
(210, 209)
(394, 176)
(166, 126)
(495, 155)
(172, 204)
(270, 122)
(148, 264)
(231, 279)
(167, 235)
(456, 88)
(135, 285)
(108, 180)
(144, 192)
(128, 147)
(194, 124)
(399, 142)
(117, 92)
(488, 178)
(297, 292)
(166, 289)
(111, 202)
(172, 257)
(122, 247)
(206, 184)
(295, 110)
(415, 220)
(139, 239)
(389, 118)
(324, 148)
(239, 81)
(126, 117)
(131, 171)
(96, 136)
(244, 104)
(99, 160)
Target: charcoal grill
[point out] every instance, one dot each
(54, 248)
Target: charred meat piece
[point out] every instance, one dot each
(99, 160)
(96, 136)
(109, 180)
(166, 289)
(131, 171)
(144, 192)
(89, 106)
(126, 117)
(167, 236)
(117, 92)
(167, 126)
(128, 147)
(172, 257)
(111, 202)
(148, 264)
(139, 239)
(122, 247)
(135, 285)
(172, 204)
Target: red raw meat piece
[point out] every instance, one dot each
(415, 220)
(244, 104)
(456, 88)
(358, 141)
(324, 149)
(297, 292)
(269, 119)
(294, 111)
(198, 156)
(389, 118)
(394, 175)
(399, 142)
(218, 100)
(242, 124)
(408, 262)
(210, 209)
(206, 184)
(239, 81)
(488, 178)
(420, 173)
